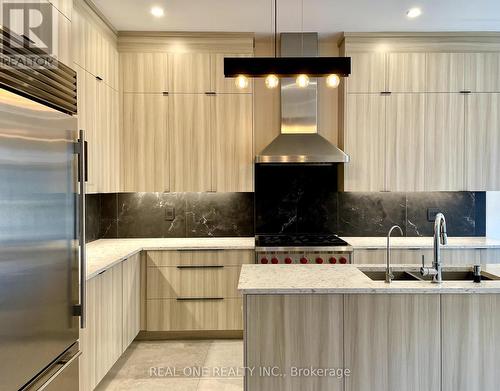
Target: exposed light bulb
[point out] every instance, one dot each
(414, 12)
(302, 81)
(333, 80)
(157, 12)
(272, 81)
(241, 82)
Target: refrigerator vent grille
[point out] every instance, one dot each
(51, 84)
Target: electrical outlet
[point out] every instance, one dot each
(431, 214)
(169, 213)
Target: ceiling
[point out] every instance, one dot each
(323, 16)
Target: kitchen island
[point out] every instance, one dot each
(324, 327)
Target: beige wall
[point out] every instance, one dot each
(267, 102)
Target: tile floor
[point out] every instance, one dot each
(150, 366)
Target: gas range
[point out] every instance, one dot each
(302, 249)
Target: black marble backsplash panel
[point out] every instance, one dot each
(137, 215)
(373, 214)
(170, 215)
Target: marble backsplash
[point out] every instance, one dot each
(136, 215)
(169, 215)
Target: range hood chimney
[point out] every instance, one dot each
(299, 141)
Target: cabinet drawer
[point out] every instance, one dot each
(193, 281)
(199, 257)
(185, 315)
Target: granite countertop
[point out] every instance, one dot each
(105, 253)
(345, 279)
(420, 242)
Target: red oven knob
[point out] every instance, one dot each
(264, 261)
(343, 261)
(303, 260)
(319, 260)
(288, 260)
(332, 260)
(274, 261)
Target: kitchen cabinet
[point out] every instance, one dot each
(445, 72)
(407, 256)
(65, 7)
(301, 331)
(144, 72)
(406, 72)
(405, 141)
(368, 72)
(365, 142)
(482, 70)
(194, 290)
(483, 141)
(145, 143)
(101, 341)
(233, 134)
(470, 342)
(490, 255)
(444, 144)
(392, 342)
(464, 256)
(131, 299)
(64, 49)
(191, 137)
(190, 72)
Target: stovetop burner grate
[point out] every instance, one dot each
(299, 240)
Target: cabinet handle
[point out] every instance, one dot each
(386, 93)
(165, 93)
(200, 266)
(99, 78)
(200, 298)
(466, 92)
(211, 93)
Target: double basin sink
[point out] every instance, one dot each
(415, 276)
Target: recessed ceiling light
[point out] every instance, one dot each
(414, 12)
(157, 11)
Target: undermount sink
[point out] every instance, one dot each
(398, 276)
(455, 275)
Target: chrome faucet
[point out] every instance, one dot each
(388, 273)
(440, 238)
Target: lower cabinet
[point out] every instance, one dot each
(284, 332)
(392, 342)
(471, 342)
(450, 256)
(112, 318)
(194, 290)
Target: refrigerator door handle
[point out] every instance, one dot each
(82, 174)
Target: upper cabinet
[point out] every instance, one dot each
(144, 72)
(483, 72)
(368, 72)
(94, 45)
(406, 72)
(421, 112)
(445, 72)
(190, 73)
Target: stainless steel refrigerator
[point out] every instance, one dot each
(42, 273)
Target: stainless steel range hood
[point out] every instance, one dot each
(299, 141)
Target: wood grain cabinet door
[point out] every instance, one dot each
(406, 72)
(365, 142)
(144, 72)
(368, 72)
(482, 70)
(445, 72)
(483, 142)
(392, 342)
(191, 158)
(190, 73)
(444, 142)
(131, 299)
(405, 142)
(145, 143)
(233, 143)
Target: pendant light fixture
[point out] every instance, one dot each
(274, 68)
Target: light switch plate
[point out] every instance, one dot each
(169, 213)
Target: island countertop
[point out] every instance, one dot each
(349, 279)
